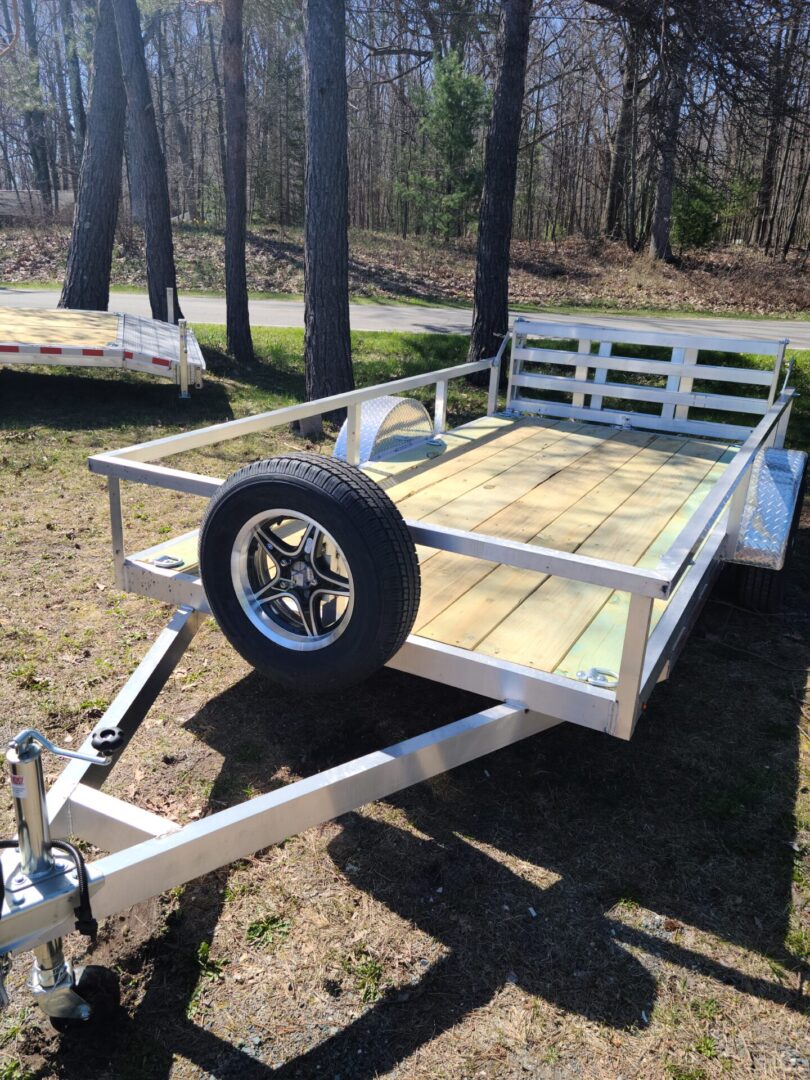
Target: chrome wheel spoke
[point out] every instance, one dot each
(307, 544)
(338, 587)
(309, 620)
(292, 579)
(271, 543)
(270, 591)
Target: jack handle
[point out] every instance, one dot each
(22, 742)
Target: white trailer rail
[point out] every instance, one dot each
(149, 853)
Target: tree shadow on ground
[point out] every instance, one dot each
(690, 822)
(68, 400)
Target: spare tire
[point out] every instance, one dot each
(310, 570)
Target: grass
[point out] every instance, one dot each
(210, 967)
(14, 1070)
(397, 941)
(366, 972)
(706, 1046)
(267, 931)
(685, 1072)
(708, 1009)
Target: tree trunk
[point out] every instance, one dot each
(150, 172)
(87, 277)
(35, 116)
(491, 304)
(661, 225)
(327, 342)
(64, 130)
(794, 217)
(612, 214)
(781, 61)
(217, 96)
(181, 134)
(74, 78)
(240, 343)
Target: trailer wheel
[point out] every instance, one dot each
(759, 589)
(310, 570)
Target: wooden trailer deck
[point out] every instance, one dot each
(69, 328)
(577, 487)
(602, 492)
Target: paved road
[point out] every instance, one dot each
(406, 317)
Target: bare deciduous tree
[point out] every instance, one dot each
(145, 146)
(240, 343)
(491, 311)
(87, 278)
(327, 341)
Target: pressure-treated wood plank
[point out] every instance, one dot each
(600, 645)
(565, 523)
(25, 326)
(472, 509)
(464, 499)
(541, 630)
(447, 577)
(522, 518)
(411, 470)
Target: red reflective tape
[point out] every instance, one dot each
(92, 352)
(161, 361)
(9, 348)
(51, 350)
(128, 355)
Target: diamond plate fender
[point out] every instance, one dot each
(776, 477)
(387, 424)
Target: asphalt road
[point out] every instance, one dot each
(418, 319)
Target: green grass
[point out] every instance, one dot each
(706, 1046)
(366, 972)
(14, 1070)
(277, 377)
(685, 1072)
(267, 931)
(706, 1008)
(211, 968)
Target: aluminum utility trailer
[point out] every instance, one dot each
(100, 339)
(565, 545)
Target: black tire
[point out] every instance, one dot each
(100, 988)
(375, 544)
(758, 589)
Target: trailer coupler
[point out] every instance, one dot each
(37, 865)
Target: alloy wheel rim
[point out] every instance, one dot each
(292, 579)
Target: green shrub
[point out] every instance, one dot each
(696, 208)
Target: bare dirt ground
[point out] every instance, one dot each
(573, 272)
(573, 907)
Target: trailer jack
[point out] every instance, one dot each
(60, 990)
